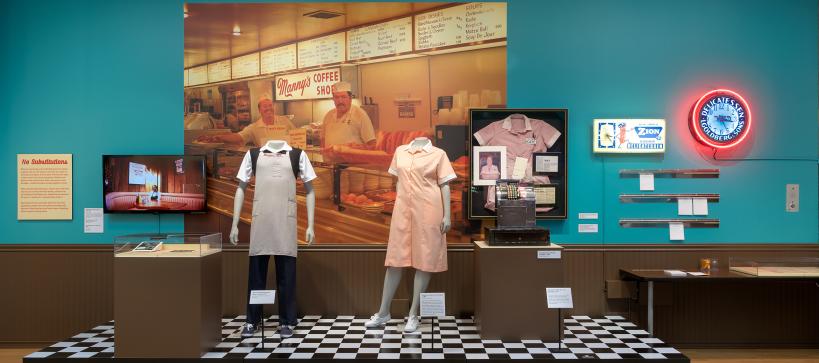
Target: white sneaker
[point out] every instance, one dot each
(377, 320)
(412, 324)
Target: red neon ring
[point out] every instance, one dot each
(694, 123)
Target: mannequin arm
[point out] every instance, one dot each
(309, 234)
(445, 198)
(238, 201)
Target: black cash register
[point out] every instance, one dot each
(515, 205)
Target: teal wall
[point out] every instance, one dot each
(104, 77)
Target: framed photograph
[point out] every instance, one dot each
(488, 165)
(547, 163)
(536, 136)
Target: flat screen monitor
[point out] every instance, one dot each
(153, 183)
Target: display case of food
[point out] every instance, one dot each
(775, 266)
(237, 109)
(167, 245)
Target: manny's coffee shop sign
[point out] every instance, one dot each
(307, 85)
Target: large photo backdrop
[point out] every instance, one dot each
(411, 69)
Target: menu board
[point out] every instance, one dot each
(245, 66)
(197, 75)
(319, 51)
(460, 24)
(278, 59)
(382, 39)
(219, 71)
(186, 78)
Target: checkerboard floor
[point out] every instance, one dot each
(345, 337)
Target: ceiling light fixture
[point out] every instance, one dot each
(323, 14)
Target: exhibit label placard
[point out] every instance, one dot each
(382, 39)
(629, 136)
(44, 186)
(325, 50)
(462, 24)
(559, 298)
(433, 304)
(279, 59)
(262, 297)
(306, 85)
(245, 66)
(93, 220)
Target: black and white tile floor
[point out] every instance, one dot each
(345, 337)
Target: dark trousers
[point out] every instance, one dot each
(285, 287)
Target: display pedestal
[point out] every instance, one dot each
(510, 291)
(168, 306)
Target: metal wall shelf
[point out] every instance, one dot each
(688, 223)
(671, 173)
(666, 198)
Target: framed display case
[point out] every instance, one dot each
(168, 245)
(533, 146)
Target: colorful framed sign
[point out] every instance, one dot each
(629, 136)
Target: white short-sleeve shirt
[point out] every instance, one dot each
(306, 171)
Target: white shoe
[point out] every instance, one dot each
(412, 324)
(377, 320)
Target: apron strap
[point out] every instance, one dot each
(295, 156)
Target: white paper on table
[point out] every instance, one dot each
(519, 170)
(693, 273)
(647, 182)
(559, 298)
(433, 304)
(587, 228)
(93, 221)
(700, 207)
(676, 231)
(264, 297)
(684, 207)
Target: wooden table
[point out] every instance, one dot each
(650, 276)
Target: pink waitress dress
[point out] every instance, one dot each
(415, 235)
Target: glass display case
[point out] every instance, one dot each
(167, 245)
(776, 266)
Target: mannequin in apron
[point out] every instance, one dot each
(419, 224)
(273, 229)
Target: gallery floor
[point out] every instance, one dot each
(320, 337)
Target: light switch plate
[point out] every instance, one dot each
(792, 198)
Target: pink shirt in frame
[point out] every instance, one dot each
(521, 136)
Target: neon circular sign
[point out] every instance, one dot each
(721, 119)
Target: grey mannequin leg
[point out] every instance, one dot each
(420, 286)
(391, 280)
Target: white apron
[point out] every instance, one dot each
(273, 229)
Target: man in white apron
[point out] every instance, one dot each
(273, 230)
